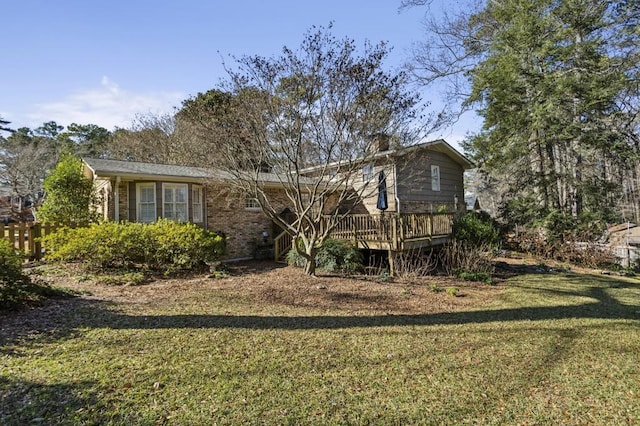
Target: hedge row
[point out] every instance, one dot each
(162, 246)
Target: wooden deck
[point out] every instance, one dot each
(396, 232)
(390, 231)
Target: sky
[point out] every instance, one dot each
(103, 62)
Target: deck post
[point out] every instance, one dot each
(394, 232)
(392, 261)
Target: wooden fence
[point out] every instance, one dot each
(26, 237)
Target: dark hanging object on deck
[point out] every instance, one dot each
(382, 203)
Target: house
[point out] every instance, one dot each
(424, 188)
(472, 203)
(145, 192)
(14, 208)
(424, 191)
(623, 241)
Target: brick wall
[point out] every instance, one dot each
(243, 227)
(123, 188)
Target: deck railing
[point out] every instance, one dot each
(389, 229)
(364, 227)
(281, 245)
(393, 228)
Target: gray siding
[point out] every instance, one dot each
(414, 180)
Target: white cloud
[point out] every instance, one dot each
(108, 106)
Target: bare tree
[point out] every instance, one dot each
(307, 121)
(25, 158)
(155, 138)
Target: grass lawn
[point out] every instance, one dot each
(272, 346)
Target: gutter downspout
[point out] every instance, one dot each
(116, 200)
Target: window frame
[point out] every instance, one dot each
(368, 172)
(173, 186)
(197, 197)
(139, 187)
(435, 178)
(252, 204)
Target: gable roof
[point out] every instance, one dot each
(439, 145)
(457, 156)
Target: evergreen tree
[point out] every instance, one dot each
(556, 84)
(69, 195)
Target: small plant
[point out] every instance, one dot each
(84, 277)
(219, 270)
(475, 276)
(406, 292)
(435, 288)
(452, 291)
(384, 277)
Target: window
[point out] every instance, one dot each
(174, 205)
(251, 204)
(367, 172)
(196, 203)
(146, 195)
(435, 178)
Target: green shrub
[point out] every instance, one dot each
(10, 260)
(476, 229)
(294, 258)
(336, 256)
(182, 246)
(332, 256)
(16, 288)
(163, 246)
(104, 245)
(12, 280)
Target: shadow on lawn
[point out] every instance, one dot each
(71, 316)
(603, 307)
(25, 402)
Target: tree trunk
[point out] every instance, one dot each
(310, 266)
(310, 257)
